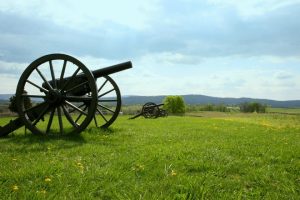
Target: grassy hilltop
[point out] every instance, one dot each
(230, 156)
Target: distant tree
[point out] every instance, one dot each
(13, 104)
(208, 107)
(174, 104)
(252, 107)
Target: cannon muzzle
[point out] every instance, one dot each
(112, 69)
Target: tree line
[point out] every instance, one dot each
(176, 105)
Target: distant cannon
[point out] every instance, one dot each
(151, 110)
(65, 90)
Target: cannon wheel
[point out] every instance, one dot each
(163, 113)
(44, 82)
(109, 102)
(150, 110)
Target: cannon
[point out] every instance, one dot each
(151, 110)
(61, 89)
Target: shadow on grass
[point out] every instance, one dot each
(102, 131)
(32, 143)
(39, 143)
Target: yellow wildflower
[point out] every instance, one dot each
(80, 166)
(138, 168)
(173, 173)
(47, 180)
(43, 191)
(14, 159)
(15, 188)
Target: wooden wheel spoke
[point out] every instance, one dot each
(71, 79)
(61, 127)
(33, 96)
(78, 98)
(75, 107)
(52, 74)
(67, 114)
(44, 79)
(99, 111)
(105, 93)
(77, 86)
(107, 100)
(35, 107)
(78, 107)
(95, 120)
(106, 108)
(42, 89)
(50, 120)
(102, 85)
(41, 115)
(63, 72)
(79, 116)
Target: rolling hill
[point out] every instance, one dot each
(202, 99)
(197, 99)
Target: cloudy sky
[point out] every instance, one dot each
(248, 48)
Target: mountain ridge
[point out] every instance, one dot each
(203, 99)
(197, 99)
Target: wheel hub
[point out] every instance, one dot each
(54, 97)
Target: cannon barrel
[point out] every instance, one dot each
(81, 77)
(105, 71)
(112, 69)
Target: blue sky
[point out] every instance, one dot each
(232, 48)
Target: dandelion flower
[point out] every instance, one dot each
(138, 168)
(173, 173)
(43, 191)
(80, 166)
(15, 188)
(47, 180)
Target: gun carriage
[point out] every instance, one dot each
(151, 110)
(64, 90)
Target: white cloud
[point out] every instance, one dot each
(11, 69)
(218, 48)
(84, 14)
(283, 75)
(254, 8)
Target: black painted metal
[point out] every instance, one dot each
(72, 100)
(11, 126)
(151, 110)
(54, 98)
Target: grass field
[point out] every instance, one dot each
(253, 156)
(284, 110)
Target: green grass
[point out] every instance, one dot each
(233, 157)
(284, 110)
